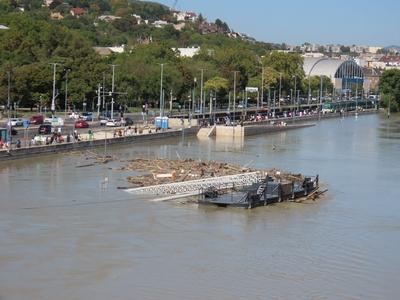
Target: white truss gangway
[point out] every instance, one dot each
(196, 186)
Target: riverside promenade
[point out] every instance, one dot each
(98, 139)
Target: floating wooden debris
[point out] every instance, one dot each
(162, 171)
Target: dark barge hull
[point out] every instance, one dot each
(261, 194)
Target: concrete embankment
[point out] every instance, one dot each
(314, 117)
(82, 145)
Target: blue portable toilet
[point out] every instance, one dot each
(158, 122)
(4, 135)
(164, 123)
(26, 124)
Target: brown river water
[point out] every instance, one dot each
(67, 233)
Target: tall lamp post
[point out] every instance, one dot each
(8, 107)
(161, 92)
(320, 95)
(194, 95)
(201, 91)
(66, 92)
(295, 92)
(112, 90)
(53, 103)
(234, 94)
(280, 89)
(262, 86)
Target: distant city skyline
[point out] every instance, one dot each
(315, 21)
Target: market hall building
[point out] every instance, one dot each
(345, 75)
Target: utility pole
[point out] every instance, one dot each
(53, 104)
(274, 103)
(309, 89)
(161, 92)
(295, 92)
(194, 95)
(112, 90)
(262, 86)
(320, 94)
(66, 93)
(234, 94)
(98, 101)
(104, 92)
(280, 89)
(170, 103)
(8, 107)
(201, 91)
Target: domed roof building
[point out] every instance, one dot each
(343, 73)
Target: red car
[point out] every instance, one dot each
(37, 120)
(81, 124)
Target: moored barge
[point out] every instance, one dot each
(266, 192)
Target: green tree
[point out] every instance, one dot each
(289, 65)
(219, 86)
(314, 83)
(389, 85)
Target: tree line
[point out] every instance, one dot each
(34, 42)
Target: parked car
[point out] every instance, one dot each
(54, 121)
(81, 124)
(87, 116)
(73, 115)
(36, 120)
(242, 105)
(16, 122)
(45, 129)
(103, 121)
(127, 121)
(113, 123)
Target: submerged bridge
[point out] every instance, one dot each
(196, 186)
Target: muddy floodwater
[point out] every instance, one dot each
(69, 233)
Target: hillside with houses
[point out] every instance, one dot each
(84, 37)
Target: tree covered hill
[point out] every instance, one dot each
(65, 32)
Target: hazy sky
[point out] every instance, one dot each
(367, 22)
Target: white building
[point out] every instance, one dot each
(108, 18)
(185, 16)
(187, 52)
(373, 49)
(105, 51)
(313, 54)
(160, 23)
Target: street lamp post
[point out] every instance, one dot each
(280, 89)
(8, 107)
(66, 93)
(274, 103)
(201, 92)
(295, 92)
(194, 96)
(161, 91)
(98, 101)
(53, 104)
(262, 85)
(320, 95)
(234, 95)
(112, 90)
